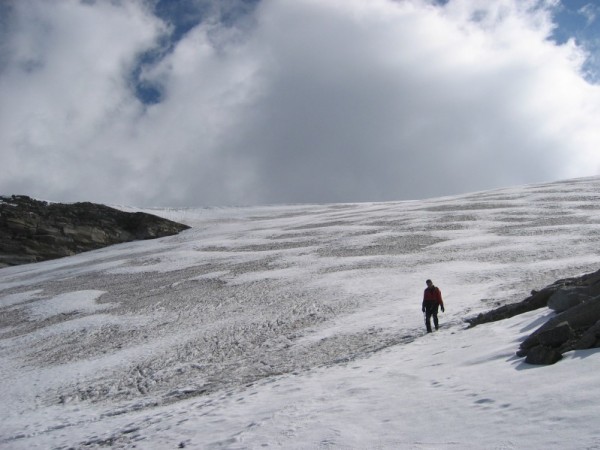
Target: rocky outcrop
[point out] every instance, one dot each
(576, 325)
(537, 299)
(575, 328)
(559, 296)
(33, 230)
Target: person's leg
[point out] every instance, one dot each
(434, 310)
(428, 320)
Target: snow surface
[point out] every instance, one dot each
(300, 327)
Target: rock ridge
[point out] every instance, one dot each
(34, 230)
(576, 325)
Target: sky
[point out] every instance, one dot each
(248, 102)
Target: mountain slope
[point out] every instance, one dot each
(300, 326)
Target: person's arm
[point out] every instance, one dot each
(440, 301)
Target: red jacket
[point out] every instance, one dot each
(433, 295)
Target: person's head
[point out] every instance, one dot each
(429, 283)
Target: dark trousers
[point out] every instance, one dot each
(431, 310)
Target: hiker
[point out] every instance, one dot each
(432, 300)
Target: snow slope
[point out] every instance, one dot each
(300, 327)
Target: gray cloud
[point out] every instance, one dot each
(305, 101)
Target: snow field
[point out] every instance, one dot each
(300, 327)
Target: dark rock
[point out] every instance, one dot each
(33, 230)
(581, 316)
(537, 300)
(593, 286)
(579, 319)
(589, 339)
(575, 327)
(587, 285)
(557, 336)
(521, 353)
(568, 297)
(554, 337)
(542, 355)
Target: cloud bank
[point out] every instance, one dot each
(304, 101)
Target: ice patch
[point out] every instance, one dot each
(70, 302)
(21, 297)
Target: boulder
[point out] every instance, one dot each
(557, 336)
(581, 316)
(542, 355)
(33, 230)
(589, 339)
(579, 319)
(567, 297)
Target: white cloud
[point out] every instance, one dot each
(337, 100)
(590, 12)
(64, 93)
